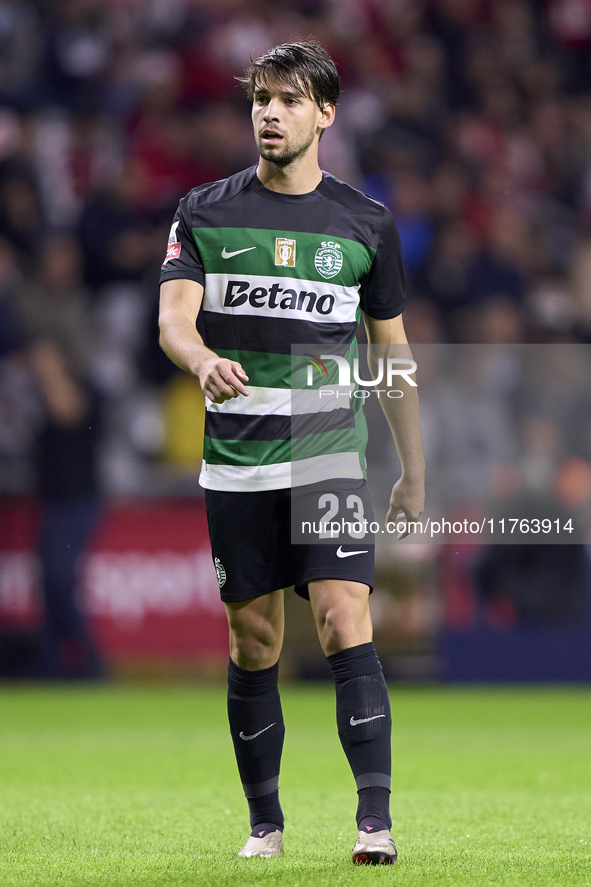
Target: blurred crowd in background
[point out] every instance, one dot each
(470, 119)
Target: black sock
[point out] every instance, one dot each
(365, 725)
(261, 829)
(373, 813)
(256, 725)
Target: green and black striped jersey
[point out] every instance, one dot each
(283, 270)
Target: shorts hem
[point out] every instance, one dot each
(252, 593)
(301, 589)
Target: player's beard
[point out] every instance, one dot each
(287, 154)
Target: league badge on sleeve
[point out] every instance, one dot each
(174, 247)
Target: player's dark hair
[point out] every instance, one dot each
(304, 65)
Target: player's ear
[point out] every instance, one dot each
(327, 116)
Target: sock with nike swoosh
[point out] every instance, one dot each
(256, 725)
(365, 725)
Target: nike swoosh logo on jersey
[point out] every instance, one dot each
(236, 252)
(341, 553)
(354, 723)
(254, 735)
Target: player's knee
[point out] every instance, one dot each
(338, 629)
(251, 654)
(256, 648)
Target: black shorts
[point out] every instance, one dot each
(250, 536)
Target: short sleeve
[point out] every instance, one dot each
(382, 288)
(182, 256)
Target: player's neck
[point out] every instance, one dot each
(300, 177)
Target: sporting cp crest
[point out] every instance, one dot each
(221, 573)
(285, 252)
(328, 260)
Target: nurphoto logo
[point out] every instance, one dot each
(386, 370)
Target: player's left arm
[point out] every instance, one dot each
(402, 413)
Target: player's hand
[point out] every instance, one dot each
(406, 502)
(221, 379)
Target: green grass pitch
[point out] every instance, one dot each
(138, 786)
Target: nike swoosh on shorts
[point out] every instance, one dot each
(341, 553)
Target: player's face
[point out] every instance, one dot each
(286, 123)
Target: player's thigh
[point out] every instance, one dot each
(250, 542)
(256, 630)
(341, 612)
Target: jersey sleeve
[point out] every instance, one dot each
(182, 256)
(382, 288)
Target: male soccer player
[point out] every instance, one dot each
(278, 254)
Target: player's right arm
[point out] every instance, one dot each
(180, 301)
